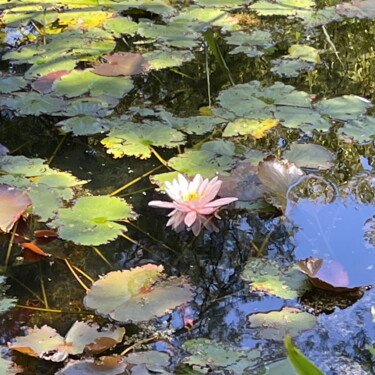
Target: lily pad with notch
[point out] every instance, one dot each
(46, 343)
(133, 295)
(93, 220)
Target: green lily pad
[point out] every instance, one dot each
(207, 355)
(121, 26)
(274, 325)
(135, 139)
(361, 130)
(207, 161)
(310, 155)
(281, 367)
(165, 58)
(288, 67)
(85, 125)
(246, 126)
(45, 200)
(304, 53)
(6, 303)
(196, 124)
(266, 275)
(53, 64)
(10, 84)
(251, 44)
(321, 17)
(33, 103)
(283, 7)
(78, 82)
(92, 220)
(178, 34)
(254, 101)
(21, 165)
(347, 107)
(97, 107)
(131, 295)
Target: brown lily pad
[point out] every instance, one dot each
(327, 274)
(122, 64)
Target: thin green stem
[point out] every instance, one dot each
(56, 149)
(10, 245)
(135, 180)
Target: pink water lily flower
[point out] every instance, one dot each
(193, 203)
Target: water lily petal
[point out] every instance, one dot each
(206, 210)
(161, 204)
(221, 202)
(176, 219)
(190, 218)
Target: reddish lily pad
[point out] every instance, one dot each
(44, 84)
(13, 204)
(122, 64)
(242, 183)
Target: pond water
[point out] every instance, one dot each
(104, 101)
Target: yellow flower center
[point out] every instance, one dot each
(191, 196)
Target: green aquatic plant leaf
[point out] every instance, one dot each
(310, 155)
(11, 84)
(267, 276)
(283, 7)
(321, 17)
(246, 126)
(274, 325)
(211, 159)
(78, 82)
(33, 103)
(300, 362)
(45, 201)
(196, 124)
(121, 26)
(288, 67)
(135, 139)
(254, 101)
(281, 367)
(167, 58)
(6, 303)
(251, 44)
(347, 107)
(206, 355)
(93, 106)
(85, 125)
(92, 220)
(20, 165)
(179, 34)
(361, 130)
(50, 64)
(304, 53)
(132, 295)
